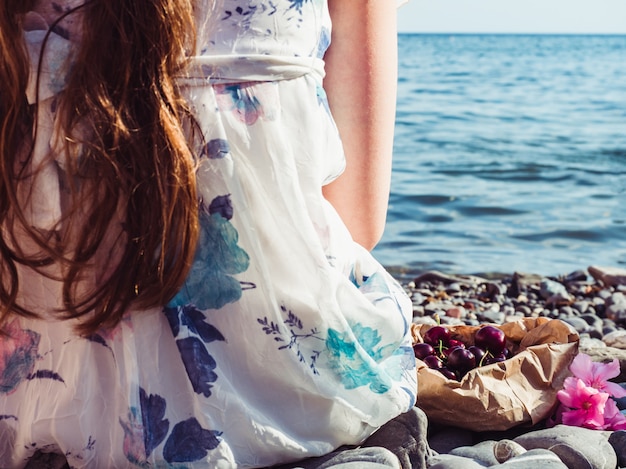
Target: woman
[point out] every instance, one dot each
(184, 282)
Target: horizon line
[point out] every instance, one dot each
(514, 33)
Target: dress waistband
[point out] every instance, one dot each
(252, 67)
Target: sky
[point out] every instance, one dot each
(514, 16)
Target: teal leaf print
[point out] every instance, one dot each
(210, 284)
(189, 442)
(346, 358)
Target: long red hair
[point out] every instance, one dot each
(129, 170)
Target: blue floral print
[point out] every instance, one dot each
(216, 148)
(198, 362)
(152, 417)
(190, 442)
(296, 335)
(18, 356)
(147, 427)
(346, 358)
(210, 284)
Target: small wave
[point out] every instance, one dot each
(478, 210)
(583, 235)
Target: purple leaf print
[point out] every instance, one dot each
(155, 427)
(98, 339)
(189, 442)
(18, 353)
(171, 313)
(199, 364)
(223, 205)
(216, 148)
(48, 374)
(194, 319)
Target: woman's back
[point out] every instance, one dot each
(286, 340)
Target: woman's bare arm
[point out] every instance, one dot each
(361, 76)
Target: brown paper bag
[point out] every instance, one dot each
(520, 390)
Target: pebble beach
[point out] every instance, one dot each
(592, 301)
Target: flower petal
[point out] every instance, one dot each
(575, 393)
(581, 367)
(614, 389)
(613, 418)
(575, 418)
(605, 371)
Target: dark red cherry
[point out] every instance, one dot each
(490, 338)
(478, 354)
(447, 372)
(455, 343)
(436, 336)
(423, 350)
(461, 360)
(433, 362)
(494, 359)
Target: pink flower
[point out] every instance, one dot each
(596, 375)
(613, 418)
(586, 403)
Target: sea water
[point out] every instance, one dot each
(510, 155)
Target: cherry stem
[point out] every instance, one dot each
(487, 352)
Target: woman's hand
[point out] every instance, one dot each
(361, 84)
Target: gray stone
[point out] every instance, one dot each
(577, 323)
(448, 461)
(616, 339)
(581, 306)
(483, 452)
(567, 311)
(492, 315)
(346, 458)
(616, 310)
(405, 436)
(554, 292)
(594, 321)
(424, 320)
(507, 449)
(577, 447)
(610, 276)
(535, 459)
(616, 298)
(618, 442)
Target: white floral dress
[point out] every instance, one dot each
(287, 339)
